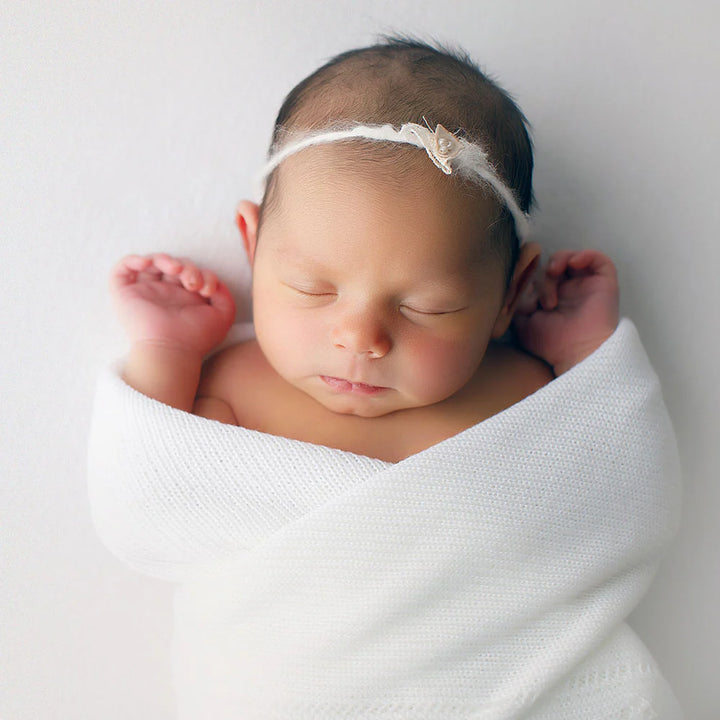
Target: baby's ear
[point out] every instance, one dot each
(525, 268)
(247, 219)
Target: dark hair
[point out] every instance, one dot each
(401, 80)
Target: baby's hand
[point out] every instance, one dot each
(570, 309)
(165, 301)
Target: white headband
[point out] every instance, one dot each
(448, 152)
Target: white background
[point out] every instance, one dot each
(137, 126)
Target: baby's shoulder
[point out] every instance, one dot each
(229, 359)
(242, 363)
(527, 366)
(513, 374)
(237, 370)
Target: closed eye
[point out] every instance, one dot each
(311, 292)
(418, 311)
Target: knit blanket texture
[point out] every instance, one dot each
(487, 577)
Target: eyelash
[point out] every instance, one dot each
(415, 311)
(311, 294)
(425, 312)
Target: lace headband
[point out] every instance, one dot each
(448, 152)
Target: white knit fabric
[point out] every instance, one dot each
(484, 578)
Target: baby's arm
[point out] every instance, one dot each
(570, 309)
(174, 314)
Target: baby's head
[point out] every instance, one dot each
(379, 280)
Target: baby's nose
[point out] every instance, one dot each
(362, 333)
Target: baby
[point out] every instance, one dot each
(403, 537)
(386, 263)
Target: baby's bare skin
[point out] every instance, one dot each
(240, 387)
(377, 308)
(176, 313)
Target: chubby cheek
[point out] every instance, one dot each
(438, 367)
(285, 336)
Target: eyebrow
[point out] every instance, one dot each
(445, 289)
(295, 256)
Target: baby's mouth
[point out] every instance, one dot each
(346, 386)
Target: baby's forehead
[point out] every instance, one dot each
(403, 170)
(342, 191)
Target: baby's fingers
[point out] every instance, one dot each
(186, 273)
(209, 283)
(549, 278)
(222, 300)
(199, 280)
(580, 262)
(126, 271)
(166, 264)
(593, 262)
(555, 269)
(190, 276)
(559, 261)
(167, 269)
(196, 279)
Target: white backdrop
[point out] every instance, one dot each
(137, 126)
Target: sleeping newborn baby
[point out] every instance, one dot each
(394, 514)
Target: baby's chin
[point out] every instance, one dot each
(361, 406)
(352, 407)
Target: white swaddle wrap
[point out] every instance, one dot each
(486, 577)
